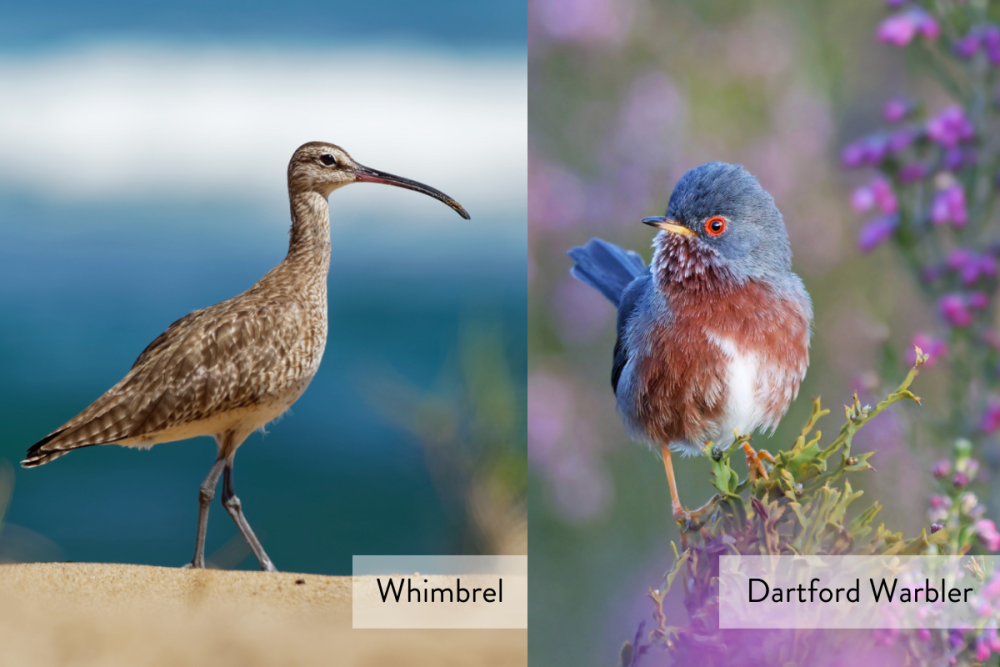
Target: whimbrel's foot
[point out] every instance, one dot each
(193, 566)
(755, 461)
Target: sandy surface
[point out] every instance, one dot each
(110, 615)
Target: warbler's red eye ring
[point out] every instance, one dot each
(715, 226)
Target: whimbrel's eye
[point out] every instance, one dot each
(328, 159)
(715, 226)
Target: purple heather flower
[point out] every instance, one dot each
(955, 310)
(901, 140)
(949, 206)
(884, 196)
(862, 199)
(992, 589)
(853, 156)
(980, 266)
(898, 29)
(897, 109)
(987, 532)
(978, 300)
(990, 421)
(972, 265)
(950, 127)
(875, 231)
(992, 338)
(991, 37)
(967, 46)
(934, 348)
(915, 171)
(940, 470)
(982, 650)
(885, 636)
(991, 42)
(954, 159)
(961, 480)
(931, 272)
(877, 192)
(865, 152)
(935, 527)
(928, 26)
(987, 266)
(956, 638)
(959, 257)
(941, 502)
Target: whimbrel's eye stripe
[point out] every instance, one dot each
(327, 159)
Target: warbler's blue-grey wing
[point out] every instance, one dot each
(621, 276)
(606, 267)
(630, 299)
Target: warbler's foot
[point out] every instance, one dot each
(692, 518)
(755, 461)
(681, 515)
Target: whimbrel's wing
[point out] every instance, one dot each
(235, 354)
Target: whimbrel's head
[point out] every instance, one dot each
(321, 167)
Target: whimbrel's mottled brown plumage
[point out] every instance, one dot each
(229, 369)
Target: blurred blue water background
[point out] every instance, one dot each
(87, 282)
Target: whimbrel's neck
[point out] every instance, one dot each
(309, 245)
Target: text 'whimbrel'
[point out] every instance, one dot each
(229, 369)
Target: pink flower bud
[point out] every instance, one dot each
(954, 310)
(862, 199)
(990, 421)
(897, 109)
(875, 231)
(940, 470)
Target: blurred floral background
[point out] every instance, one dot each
(624, 97)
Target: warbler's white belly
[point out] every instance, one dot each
(744, 408)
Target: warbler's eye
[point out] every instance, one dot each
(715, 226)
(328, 159)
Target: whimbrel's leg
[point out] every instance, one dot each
(205, 496)
(235, 509)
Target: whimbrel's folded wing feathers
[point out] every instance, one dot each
(230, 356)
(166, 337)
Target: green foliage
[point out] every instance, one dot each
(803, 506)
(472, 428)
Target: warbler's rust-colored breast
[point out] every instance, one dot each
(731, 357)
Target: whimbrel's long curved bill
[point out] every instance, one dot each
(366, 175)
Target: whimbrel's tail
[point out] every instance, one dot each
(606, 267)
(105, 422)
(48, 449)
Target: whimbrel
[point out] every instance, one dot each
(229, 369)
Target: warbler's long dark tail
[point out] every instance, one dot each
(606, 267)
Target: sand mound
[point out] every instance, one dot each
(109, 615)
